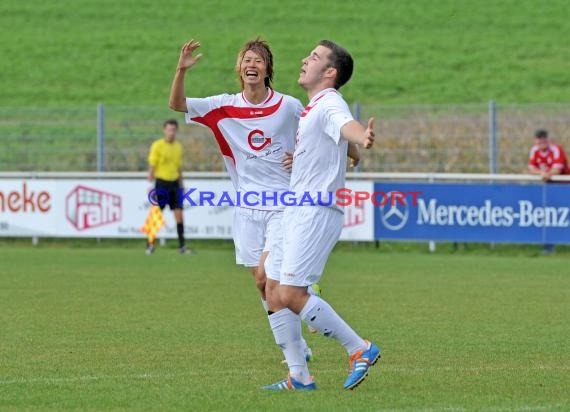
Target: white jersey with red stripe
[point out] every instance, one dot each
(252, 139)
(319, 160)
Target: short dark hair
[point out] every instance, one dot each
(261, 47)
(541, 133)
(341, 60)
(173, 122)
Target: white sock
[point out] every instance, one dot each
(304, 343)
(321, 316)
(286, 328)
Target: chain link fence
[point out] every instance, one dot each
(412, 138)
(459, 138)
(48, 139)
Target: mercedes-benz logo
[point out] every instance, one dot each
(395, 216)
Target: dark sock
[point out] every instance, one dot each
(180, 230)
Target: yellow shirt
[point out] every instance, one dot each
(166, 158)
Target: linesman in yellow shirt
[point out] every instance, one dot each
(165, 168)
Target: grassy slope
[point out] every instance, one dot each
(124, 52)
(111, 329)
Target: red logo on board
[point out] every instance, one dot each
(86, 208)
(354, 215)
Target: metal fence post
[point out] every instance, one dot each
(492, 137)
(492, 144)
(100, 137)
(431, 244)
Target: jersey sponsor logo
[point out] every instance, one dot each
(256, 113)
(213, 118)
(257, 140)
(87, 208)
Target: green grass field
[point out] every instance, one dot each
(99, 328)
(59, 59)
(78, 53)
(103, 327)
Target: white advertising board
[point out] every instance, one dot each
(117, 208)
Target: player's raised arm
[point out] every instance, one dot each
(187, 60)
(354, 132)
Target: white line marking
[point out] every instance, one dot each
(520, 408)
(385, 367)
(87, 378)
(459, 369)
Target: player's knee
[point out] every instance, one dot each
(293, 297)
(259, 276)
(260, 273)
(272, 293)
(260, 283)
(286, 296)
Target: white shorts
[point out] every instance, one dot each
(309, 235)
(255, 231)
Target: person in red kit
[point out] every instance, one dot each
(547, 158)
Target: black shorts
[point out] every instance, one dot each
(171, 187)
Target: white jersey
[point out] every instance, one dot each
(253, 140)
(319, 160)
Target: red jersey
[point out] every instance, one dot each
(554, 156)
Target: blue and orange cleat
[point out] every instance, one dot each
(290, 384)
(359, 364)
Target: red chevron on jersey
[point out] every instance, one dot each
(212, 118)
(309, 108)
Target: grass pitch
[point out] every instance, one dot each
(80, 52)
(113, 329)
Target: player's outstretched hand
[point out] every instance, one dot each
(369, 134)
(187, 59)
(287, 161)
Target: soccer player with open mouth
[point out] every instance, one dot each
(310, 232)
(255, 131)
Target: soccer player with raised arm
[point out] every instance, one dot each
(255, 131)
(311, 231)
